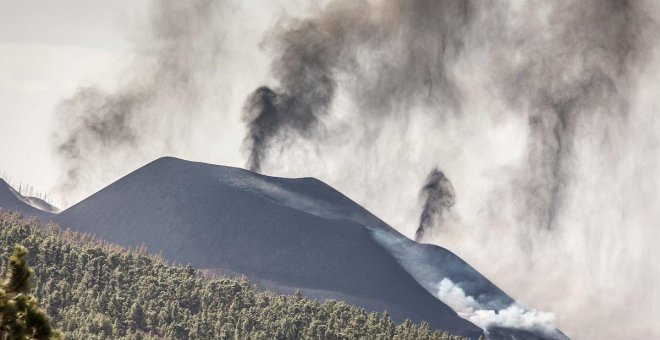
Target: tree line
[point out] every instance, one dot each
(93, 289)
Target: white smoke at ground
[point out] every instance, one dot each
(513, 317)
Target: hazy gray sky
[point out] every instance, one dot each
(47, 50)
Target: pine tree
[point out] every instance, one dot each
(137, 317)
(20, 317)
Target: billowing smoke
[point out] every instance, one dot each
(158, 95)
(539, 109)
(438, 196)
(395, 55)
(268, 114)
(261, 114)
(395, 52)
(575, 76)
(96, 122)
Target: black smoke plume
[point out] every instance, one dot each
(261, 114)
(394, 54)
(438, 196)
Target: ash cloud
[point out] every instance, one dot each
(535, 106)
(157, 97)
(392, 54)
(558, 66)
(96, 122)
(571, 77)
(438, 196)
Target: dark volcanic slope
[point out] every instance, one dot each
(270, 229)
(13, 201)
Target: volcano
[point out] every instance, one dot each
(284, 235)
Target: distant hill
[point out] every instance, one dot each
(42, 204)
(10, 199)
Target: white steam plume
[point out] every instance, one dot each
(513, 316)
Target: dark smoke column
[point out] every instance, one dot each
(260, 116)
(269, 115)
(304, 69)
(438, 196)
(391, 55)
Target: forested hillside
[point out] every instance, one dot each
(96, 290)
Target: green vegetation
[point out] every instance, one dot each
(96, 290)
(20, 317)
